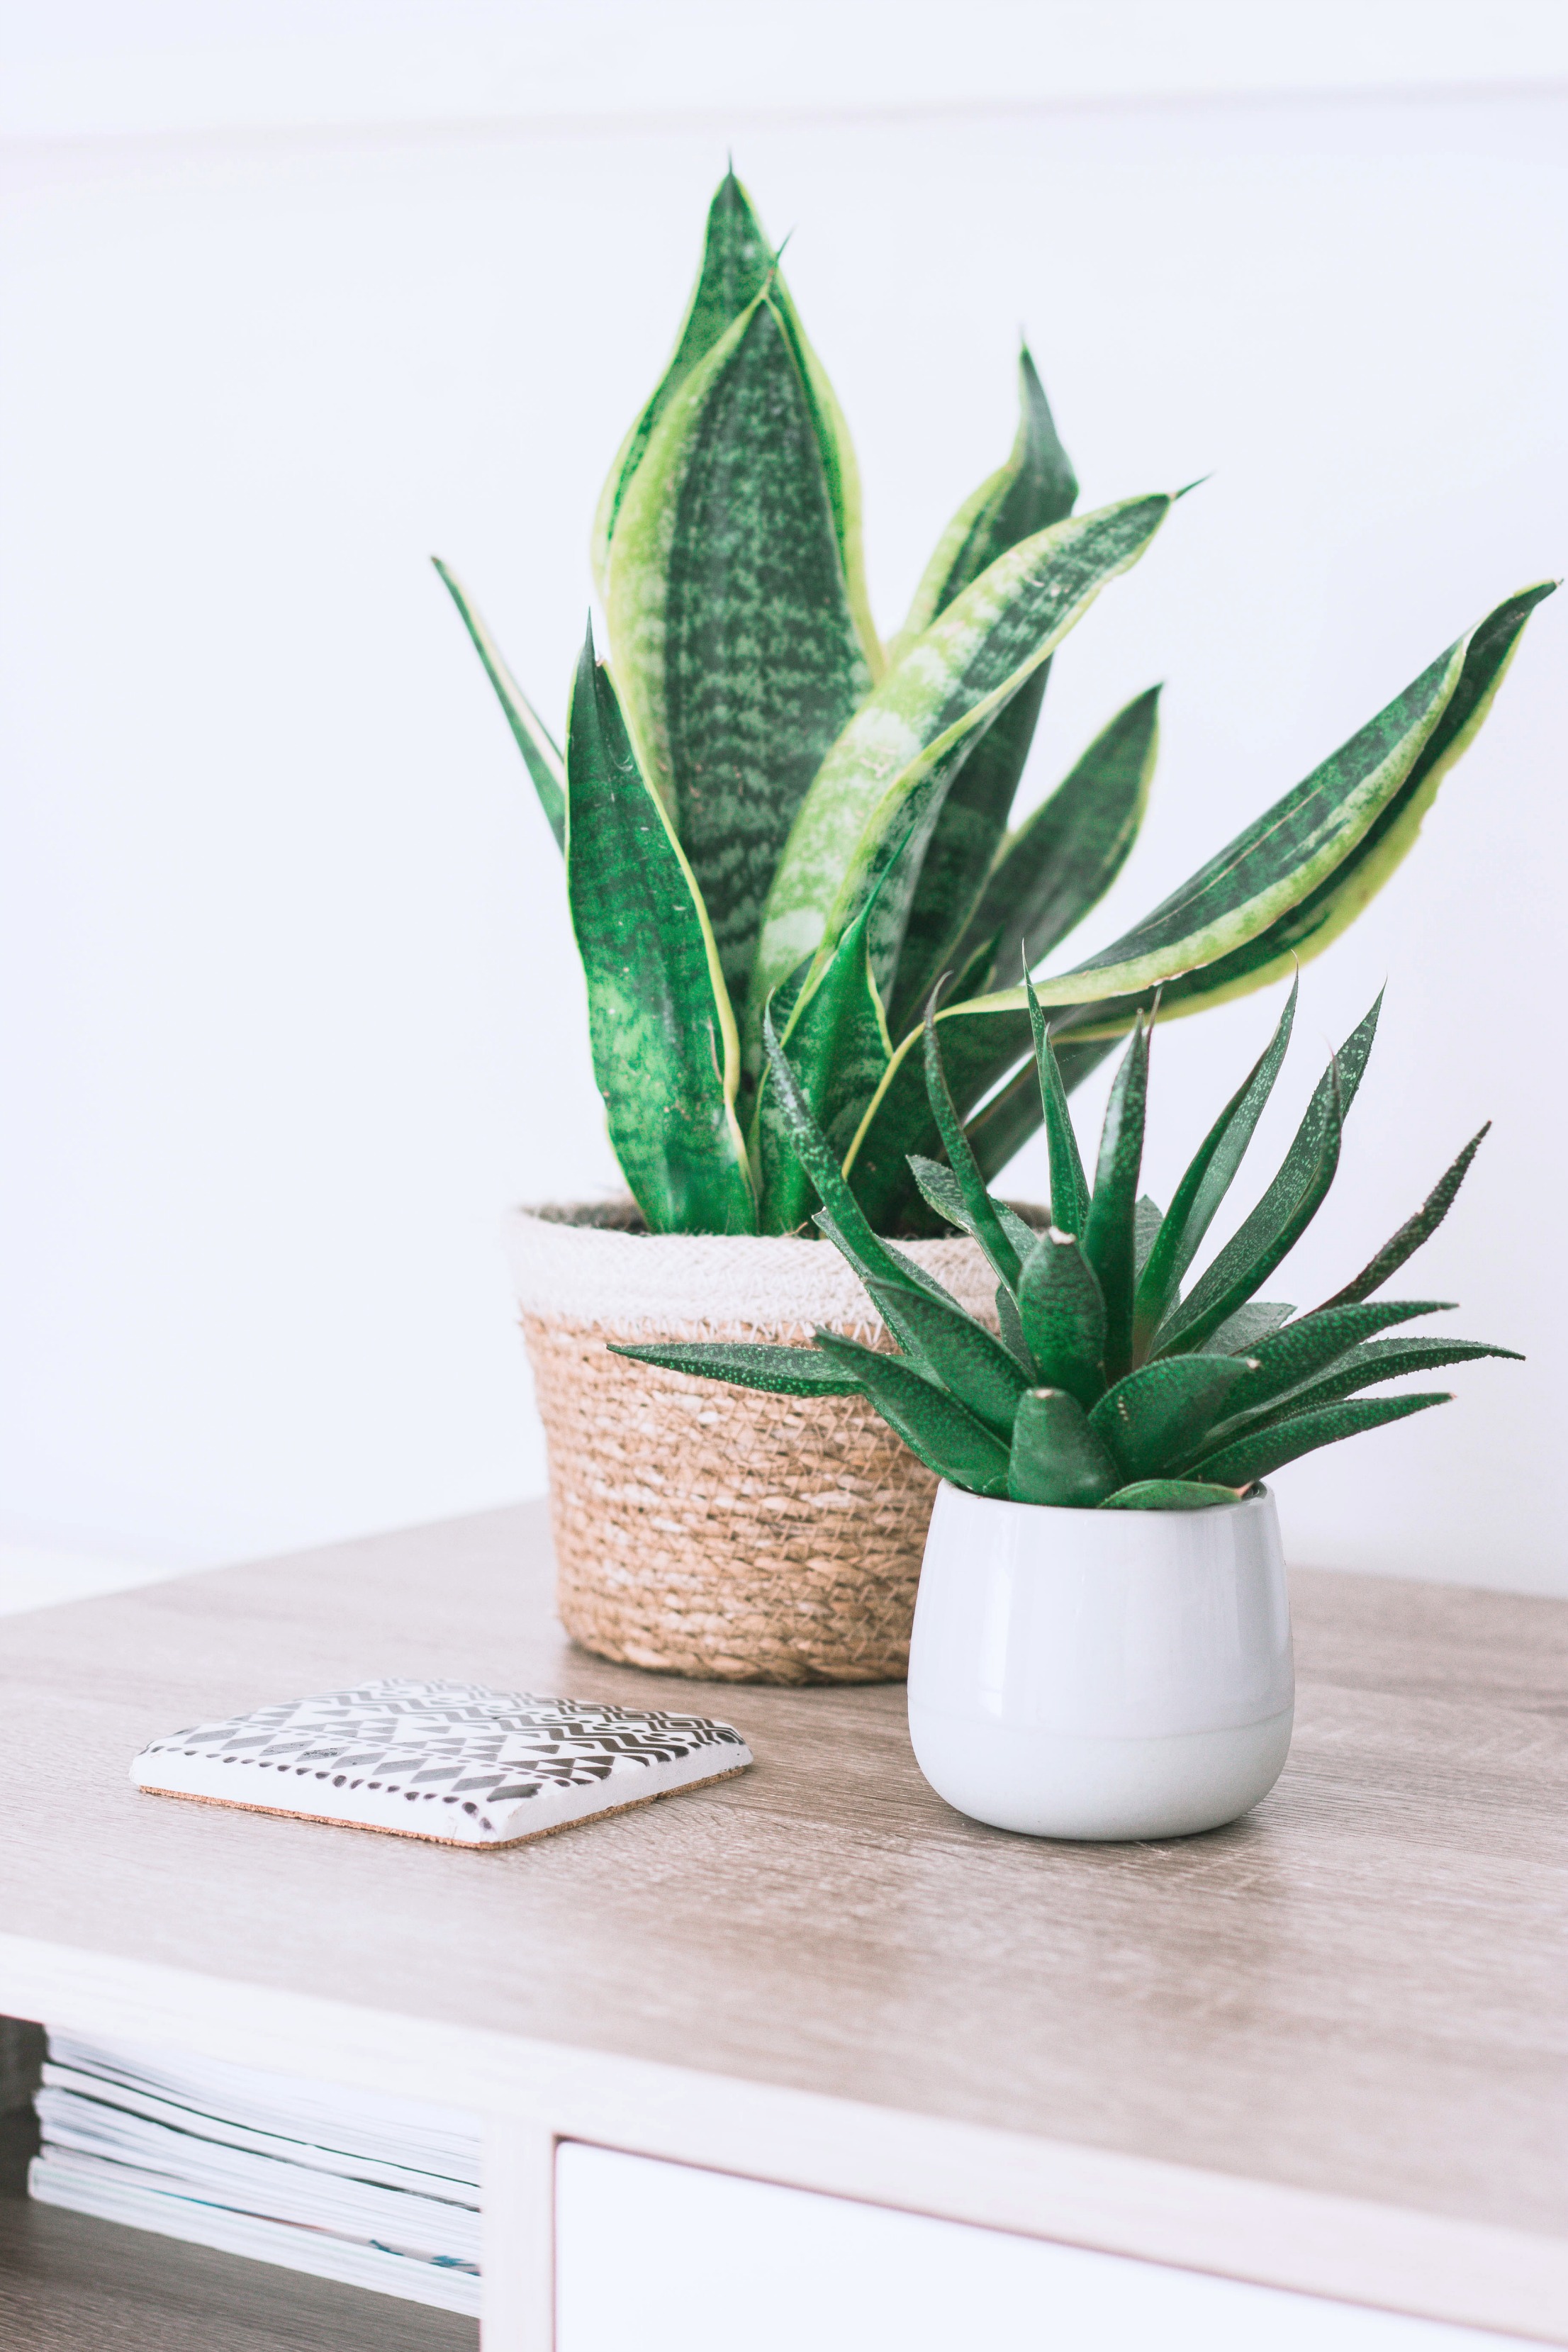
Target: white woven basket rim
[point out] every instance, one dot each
(567, 1267)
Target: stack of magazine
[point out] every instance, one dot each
(348, 2185)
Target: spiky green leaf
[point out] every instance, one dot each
(1251, 1458)
(941, 1188)
(933, 1426)
(746, 1364)
(1000, 1251)
(663, 1036)
(1153, 1421)
(1056, 1456)
(1002, 1127)
(1070, 1185)
(1414, 1231)
(837, 1043)
(1365, 1366)
(1109, 1230)
(1205, 1183)
(541, 755)
(1062, 1310)
(1239, 1333)
(901, 748)
(967, 1360)
(1314, 1342)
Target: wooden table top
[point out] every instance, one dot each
(1360, 1989)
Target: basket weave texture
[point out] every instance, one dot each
(703, 1529)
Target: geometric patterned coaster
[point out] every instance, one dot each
(451, 1762)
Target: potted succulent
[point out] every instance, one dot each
(1102, 1639)
(765, 806)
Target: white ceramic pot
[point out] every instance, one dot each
(1101, 1673)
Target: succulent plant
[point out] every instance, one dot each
(765, 806)
(1104, 1387)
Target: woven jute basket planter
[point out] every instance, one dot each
(710, 1530)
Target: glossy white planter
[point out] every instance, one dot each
(1101, 1673)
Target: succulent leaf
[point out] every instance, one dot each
(1010, 1323)
(933, 1426)
(665, 1050)
(541, 754)
(1056, 1456)
(984, 1223)
(1363, 1368)
(1062, 860)
(1313, 1343)
(959, 1352)
(899, 752)
(746, 1364)
(1414, 1231)
(733, 634)
(1251, 1458)
(1239, 1333)
(1070, 1185)
(1170, 1495)
(1205, 1183)
(1062, 1310)
(1001, 1127)
(1286, 1208)
(1109, 1230)
(839, 1047)
(1153, 1421)
(941, 1191)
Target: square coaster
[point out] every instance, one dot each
(450, 1762)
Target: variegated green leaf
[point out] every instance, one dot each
(1170, 1495)
(1062, 860)
(837, 1043)
(734, 640)
(540, 757)
(664, 1044)
(736, 262)
(1034, 488)
(933, 1426)
(1109, 1230)
(1251, 1458)
(1058, 1458)
(746, 1364)
(902, 748)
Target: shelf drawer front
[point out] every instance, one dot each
(660, 2257)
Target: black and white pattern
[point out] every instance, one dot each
(451, 1761)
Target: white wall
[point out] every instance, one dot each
(288, 1007)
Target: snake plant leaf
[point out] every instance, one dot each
(941, 1189)
(958, 1351)
(1062, 1309)
(1034, 488)
(839, 1047)
(1002, 1127)
(1414, 1231)
(1286, 1208)
(1056, 1456)
(1154, 1419)
(734, 639)
(902, 747)
(1313, 1343)
(933, 1426)
(1070, 1185)
(745, 1364)
(1206, 1182)
(663, 1036)
(1364, 1368)
(540, 754)
(1239, 1333)
(985, 1223)
(1318, 917)
(736, 262)
(1061, 862)
(1109, 1230)
(1251, 1458)
(1170, 1495)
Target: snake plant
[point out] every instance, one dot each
(1103, 1387)
(763, 806)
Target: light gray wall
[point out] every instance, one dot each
(290, 1005)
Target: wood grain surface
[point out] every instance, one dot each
(1359, 1989)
